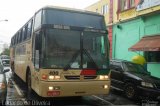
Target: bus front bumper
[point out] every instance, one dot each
(73, 88)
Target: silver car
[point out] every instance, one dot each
(3, 84)
(6, 65)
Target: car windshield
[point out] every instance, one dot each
(132, 67)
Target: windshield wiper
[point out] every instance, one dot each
(75, 55)
(85, 51)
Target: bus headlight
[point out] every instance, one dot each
(105, 86)
(103, 77)
(52, 77)
(57, 77)
(50, 88)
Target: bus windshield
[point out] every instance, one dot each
(69, 49)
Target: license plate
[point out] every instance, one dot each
(53, 93)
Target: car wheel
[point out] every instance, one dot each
(130, 91)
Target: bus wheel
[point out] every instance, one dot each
(29, 89)
(13, 71)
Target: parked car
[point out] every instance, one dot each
(4, 57)
(3, 84)
(134, 80)
(6, 65)
(5, 62)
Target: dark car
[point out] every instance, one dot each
(3, 84)
(134, 80)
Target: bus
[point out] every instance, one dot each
(62, 52)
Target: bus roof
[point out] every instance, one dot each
(72, 10)
(71, 17)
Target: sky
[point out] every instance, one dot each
(18, 12)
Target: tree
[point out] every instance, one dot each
(6, 51)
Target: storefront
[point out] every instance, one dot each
(145, 29)
(150, 45)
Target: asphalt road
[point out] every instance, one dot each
(17, 96)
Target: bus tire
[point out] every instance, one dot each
(13, 70)
(29, 88)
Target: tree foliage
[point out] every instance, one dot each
(6, 51)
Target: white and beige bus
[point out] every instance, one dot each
(62, 52)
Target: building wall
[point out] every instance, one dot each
(128, 33)
(110, 31)
(97, 7)
(122, 15)
(152, 24)
(151, 27)
(154, 68)
(147, 7)
(115, 11)
(124, 36)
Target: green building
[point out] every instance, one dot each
(132, 32)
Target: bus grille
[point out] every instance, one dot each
(79, 77)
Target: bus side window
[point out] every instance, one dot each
(38, 47)
(38, 42)
(24, 33)
(29, 29)
(20, 36)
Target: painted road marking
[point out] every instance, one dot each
(103, 100)
(17, 88)
(20, 93)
